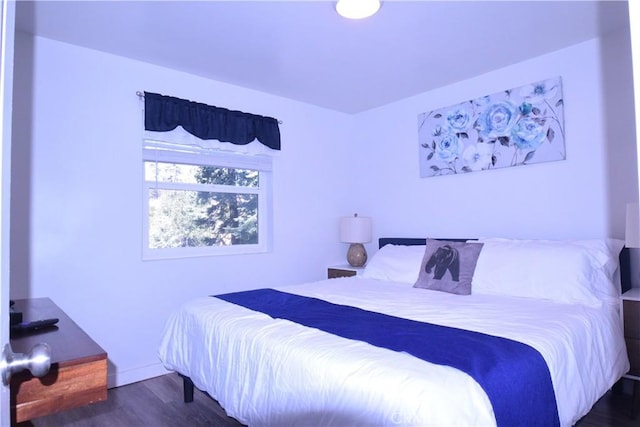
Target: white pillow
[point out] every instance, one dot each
(578, 271)
(395, 263)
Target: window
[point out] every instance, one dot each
(204, 202)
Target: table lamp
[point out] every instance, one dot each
(356, 230)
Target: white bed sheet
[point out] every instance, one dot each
(274, 372)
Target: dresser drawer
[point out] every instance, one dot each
(334, 273)
(62, 388)
(631, 319)
(633, 350)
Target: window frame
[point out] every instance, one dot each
(159, 151)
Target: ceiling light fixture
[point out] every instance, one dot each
(357, 9)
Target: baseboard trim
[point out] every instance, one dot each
(117, 378)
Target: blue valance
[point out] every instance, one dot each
(165, 113)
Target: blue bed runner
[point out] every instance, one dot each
(514, 375)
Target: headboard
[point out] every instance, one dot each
(625, 259)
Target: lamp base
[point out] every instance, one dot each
(356, 255)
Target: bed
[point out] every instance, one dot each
(553, 305)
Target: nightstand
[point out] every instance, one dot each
(78, 374)
(631, 312)
(344, 270)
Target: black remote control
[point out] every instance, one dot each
(33, 325)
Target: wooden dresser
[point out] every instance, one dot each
(631, 311)
(78, 374)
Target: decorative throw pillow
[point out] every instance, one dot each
(448, 266)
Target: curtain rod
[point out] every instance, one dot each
(141, 95)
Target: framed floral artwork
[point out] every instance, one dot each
(515, 127)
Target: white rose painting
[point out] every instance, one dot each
(511, 128)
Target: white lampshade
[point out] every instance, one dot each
(357, 9)
(632, 230)
(355, 229)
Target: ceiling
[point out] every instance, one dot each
(303, 50)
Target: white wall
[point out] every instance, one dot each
(78, 197)
(581, 197)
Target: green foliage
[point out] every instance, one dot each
(217, 216)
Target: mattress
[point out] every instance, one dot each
(273, 372)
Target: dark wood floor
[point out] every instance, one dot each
(158, 402)
(155, 402)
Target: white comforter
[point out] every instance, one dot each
(275, 372)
